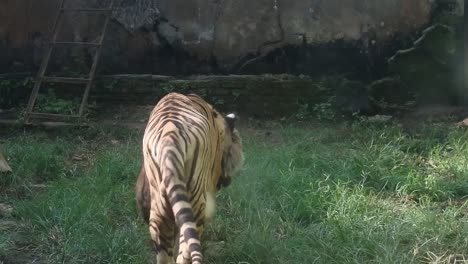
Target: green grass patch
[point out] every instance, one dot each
(347, 193)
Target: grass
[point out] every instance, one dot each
(342, 193)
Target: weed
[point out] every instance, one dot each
(325, 110)
(49, 103)
(13, 91)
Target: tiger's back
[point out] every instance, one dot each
(189, 151)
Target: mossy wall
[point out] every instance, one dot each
(432, 67)
(257, 95)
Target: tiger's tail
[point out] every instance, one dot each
(177, 195)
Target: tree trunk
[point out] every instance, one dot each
(4, 167)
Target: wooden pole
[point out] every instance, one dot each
(4, 167)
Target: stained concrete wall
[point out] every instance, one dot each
(201, 36)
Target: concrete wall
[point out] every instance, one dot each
(201, 36)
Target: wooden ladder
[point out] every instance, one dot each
(40, 77)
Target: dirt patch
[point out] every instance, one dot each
(413, 120)
(5, 210)
(214, 249)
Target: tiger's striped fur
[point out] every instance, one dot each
(189, 152)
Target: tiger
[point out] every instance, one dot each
(190, 151)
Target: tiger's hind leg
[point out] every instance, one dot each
(143, 195)
(162, 230)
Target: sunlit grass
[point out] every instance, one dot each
(90, 219)
(352, 194)
(348, 193)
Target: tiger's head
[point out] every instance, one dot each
(233, 156)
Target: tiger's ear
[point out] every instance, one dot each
(231, 120)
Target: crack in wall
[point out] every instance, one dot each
(260, 53)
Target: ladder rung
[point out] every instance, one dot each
(86, 9)
(49, 115)
(75, 43)
(65, 79)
